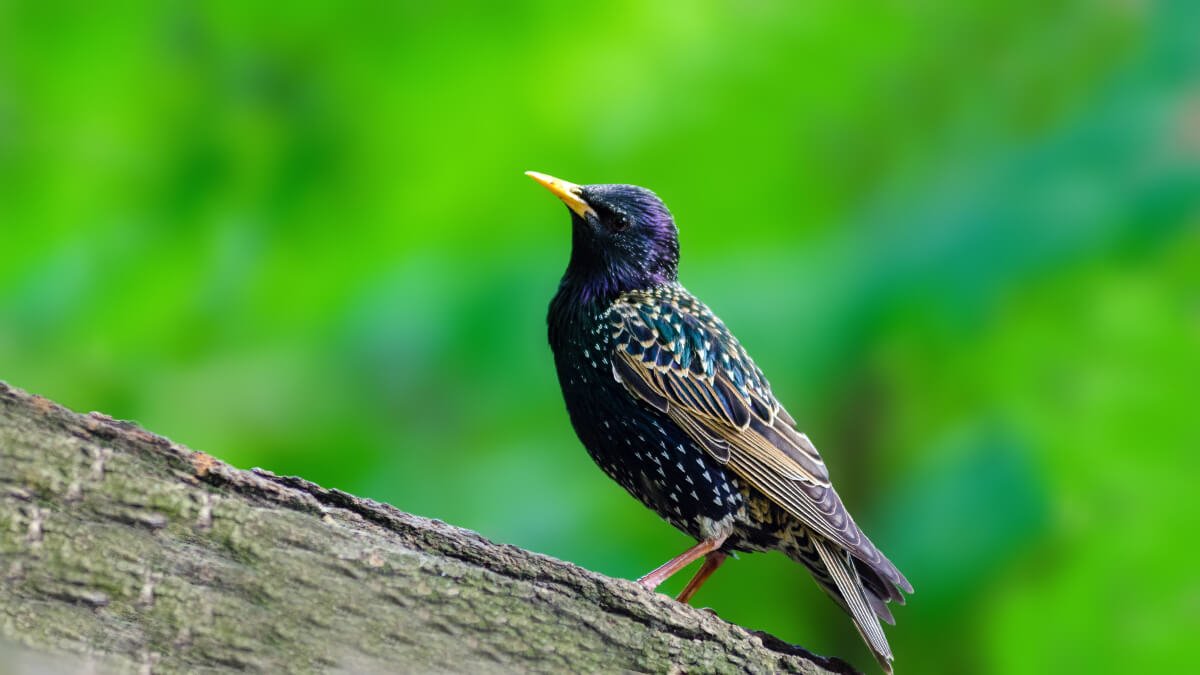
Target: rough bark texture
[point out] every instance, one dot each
(142, 555)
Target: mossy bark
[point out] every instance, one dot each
(142, 555)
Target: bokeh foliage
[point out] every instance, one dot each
(961, 238)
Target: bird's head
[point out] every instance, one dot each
(623, 237)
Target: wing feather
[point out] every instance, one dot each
(674, 354)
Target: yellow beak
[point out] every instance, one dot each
(566, 191)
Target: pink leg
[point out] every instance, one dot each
(711, 563)
(654, 579)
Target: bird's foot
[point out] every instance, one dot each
(649, 582)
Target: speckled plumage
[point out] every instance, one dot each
(669, 405)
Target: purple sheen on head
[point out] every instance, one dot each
(630, 244)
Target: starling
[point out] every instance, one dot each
(669, 405)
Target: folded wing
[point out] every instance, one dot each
(675, 355)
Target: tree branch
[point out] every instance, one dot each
(123, 546)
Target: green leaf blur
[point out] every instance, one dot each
(962, 239)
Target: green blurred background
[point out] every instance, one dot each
(962, 239)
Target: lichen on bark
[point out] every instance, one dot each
(141, 555)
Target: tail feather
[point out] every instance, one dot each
(856, 600)
(877, 585)
(880, 607)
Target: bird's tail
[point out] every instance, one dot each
(838, 575)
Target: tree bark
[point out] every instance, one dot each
(141, 555)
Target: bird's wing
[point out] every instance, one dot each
(674, 354)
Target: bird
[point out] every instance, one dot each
(669, 405)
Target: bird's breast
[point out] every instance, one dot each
(640, 448)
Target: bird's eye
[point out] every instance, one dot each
(620, 223)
